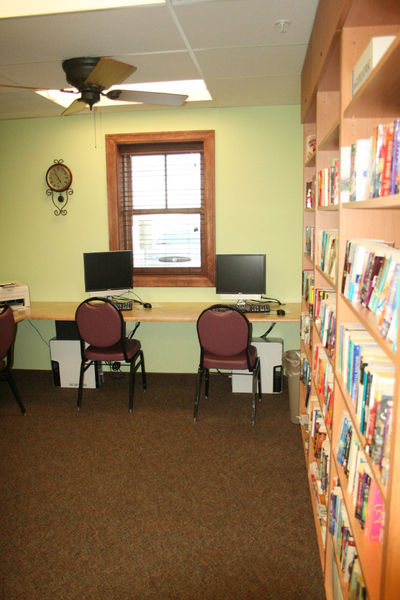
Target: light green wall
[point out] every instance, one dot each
(258, 209)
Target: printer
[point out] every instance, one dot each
(15, 294)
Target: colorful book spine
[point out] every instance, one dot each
(327, 252)
(371, 277)
(395, 172)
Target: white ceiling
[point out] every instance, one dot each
(234, 45)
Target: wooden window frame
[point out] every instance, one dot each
(114, 145)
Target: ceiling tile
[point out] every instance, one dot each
(96, 33)
(252, 62)
(245, 22)
(256, 91)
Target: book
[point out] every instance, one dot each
(336, 181)
(369, 59)
(383, 280)
(377, 166)
(310, 186)
(379, 428)
(393, 327)
(355, 267)
(361, 151)
(391, 305)
(343, 439)
(327, 251)
(371, 357)
(373, 266)
(345, 171)
(345, 332)
(395, 174)
(357, 590)
(352, 461)
(387, 159)
(385, 455)
(375, 514)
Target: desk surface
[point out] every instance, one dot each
(161, 311)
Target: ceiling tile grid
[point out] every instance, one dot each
(235, 45)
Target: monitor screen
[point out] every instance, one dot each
(241, 274)
(108, 271)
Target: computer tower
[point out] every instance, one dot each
(65, 358)
(270, 351)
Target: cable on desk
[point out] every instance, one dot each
(272, 300)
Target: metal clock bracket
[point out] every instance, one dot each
(59, 198)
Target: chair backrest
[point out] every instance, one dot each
(99, 322)
(7, 330)
(223, 331)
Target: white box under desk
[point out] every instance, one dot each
(270, 351)
(65, 358)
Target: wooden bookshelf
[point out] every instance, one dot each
(341, 32)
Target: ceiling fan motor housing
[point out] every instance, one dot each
(77, 70)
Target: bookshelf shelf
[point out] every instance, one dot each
(350, 410)
(341, 33)
(331, 139)
(374, 203)
(370, 322)
(331, 208)
(311, 161)
(376, 97)
(370, 553)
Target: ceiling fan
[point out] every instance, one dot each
(91, 76)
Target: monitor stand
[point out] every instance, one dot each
(240, 298)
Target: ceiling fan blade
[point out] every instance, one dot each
(109, 72)
(77, 106)
(147, 97)
(23, 87)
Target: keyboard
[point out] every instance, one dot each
(248, 307)
(123, 304)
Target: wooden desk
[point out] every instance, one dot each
(161, 312)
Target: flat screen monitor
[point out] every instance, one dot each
(240, 275)
(108, 273)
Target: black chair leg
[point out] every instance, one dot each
(253, 397)
(138, 361)
(14, 389)
(80, 386)
(133, 369)
(206, 382)
(144, 381)
(259, 380)
(198, 388)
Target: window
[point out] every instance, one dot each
(161, 205)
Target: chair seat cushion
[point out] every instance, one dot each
(234, 363)
(115, 352)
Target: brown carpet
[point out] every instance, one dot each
(104, 505)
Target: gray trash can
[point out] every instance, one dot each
(291, 368)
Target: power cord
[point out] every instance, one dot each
(264, 335)
(39, 334)
(132, 333)
(272, 300)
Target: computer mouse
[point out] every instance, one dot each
(147, 305)
(280, 312)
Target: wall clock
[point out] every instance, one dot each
(59, 179)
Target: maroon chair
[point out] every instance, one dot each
(101, 330)
(225, 343)
(7, 336)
